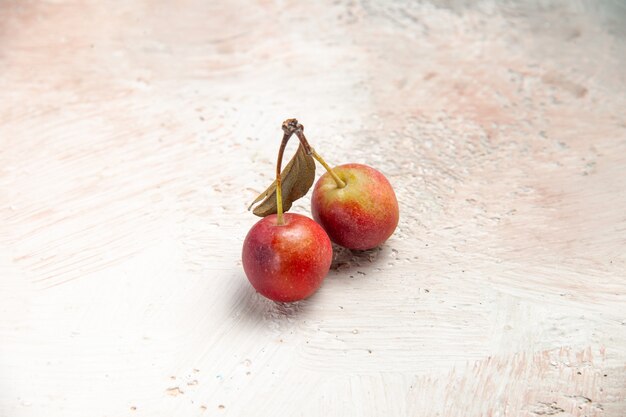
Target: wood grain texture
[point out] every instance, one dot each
(133, 135)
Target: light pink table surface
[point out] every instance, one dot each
(134, 133)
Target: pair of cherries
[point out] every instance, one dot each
(287, 256)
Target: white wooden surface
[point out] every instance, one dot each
(133, 134)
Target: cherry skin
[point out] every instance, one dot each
(361, 215)
(286, 262)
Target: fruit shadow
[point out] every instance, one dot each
(356, 262)
(253, 307)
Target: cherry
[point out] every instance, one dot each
(286, 262)
(286, 256)
(354, 203)
(360, 211)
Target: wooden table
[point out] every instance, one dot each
(133, 135)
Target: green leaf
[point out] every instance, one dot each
(297, 178)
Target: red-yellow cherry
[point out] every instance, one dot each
(356, 206)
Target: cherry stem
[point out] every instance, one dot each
(292, 126)
(318, 157)
(279, 186)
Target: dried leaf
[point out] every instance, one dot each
(297, 177)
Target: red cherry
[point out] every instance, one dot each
(286, 262)
(360, 215)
